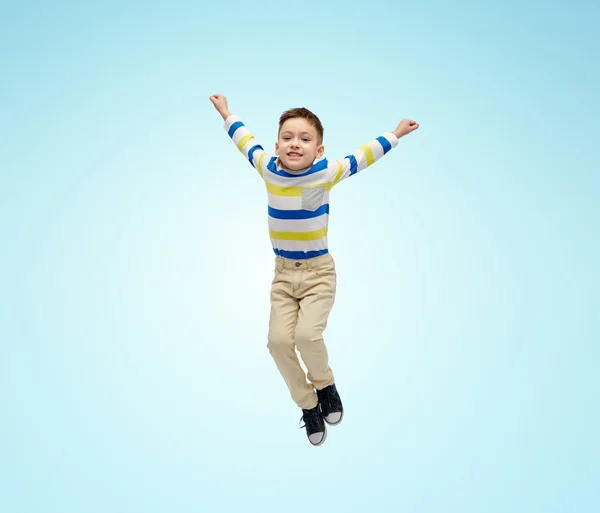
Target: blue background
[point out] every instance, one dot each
(136, 264)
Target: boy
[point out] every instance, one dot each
(298, 183)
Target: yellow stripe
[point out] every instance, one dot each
(244, 140)
(283, 191)
(303, 236)
(368, 154)
(277, 190)
(262, 156)
(340, 171)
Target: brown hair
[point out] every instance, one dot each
(301, 112)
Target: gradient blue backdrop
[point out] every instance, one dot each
(135, 263)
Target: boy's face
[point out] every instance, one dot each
(298, 145)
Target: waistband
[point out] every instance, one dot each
(308, 263)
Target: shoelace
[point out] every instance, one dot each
(329, 400)
(311, 419)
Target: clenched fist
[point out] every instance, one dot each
(220, 103)
(406, 126)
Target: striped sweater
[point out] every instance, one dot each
(299, 200)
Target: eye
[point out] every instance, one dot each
(286, 138)
(306, 139)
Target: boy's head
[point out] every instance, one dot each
(300, 139)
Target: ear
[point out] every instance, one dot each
(320, 151)
(276, 149)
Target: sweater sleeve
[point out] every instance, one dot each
(364, 156)
(246, 143)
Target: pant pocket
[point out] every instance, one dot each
(325, 271)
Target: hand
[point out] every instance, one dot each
(406, 126)
(220, 103)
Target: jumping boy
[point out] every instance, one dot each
(298, 181)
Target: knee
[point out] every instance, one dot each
(279, 342)
(306, 337)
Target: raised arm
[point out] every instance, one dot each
(240, 135)
(371, 152)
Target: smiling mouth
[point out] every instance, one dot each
(294, 155)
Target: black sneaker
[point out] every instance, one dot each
(315, 427)
(331, 405)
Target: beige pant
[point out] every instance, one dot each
(302, 295)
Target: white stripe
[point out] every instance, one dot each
(285, 202)
(360, 159)
(230, 121)
(345, 170)
(237, 136)
(377, 149)
(392, 139)
(298, 225)
(299, 245)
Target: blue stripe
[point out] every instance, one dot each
(299, 255)
(298, 214)
(271, 163)
(234, 127)
(353, 164)
(319, 166)
(252, 150)
(385, 144)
